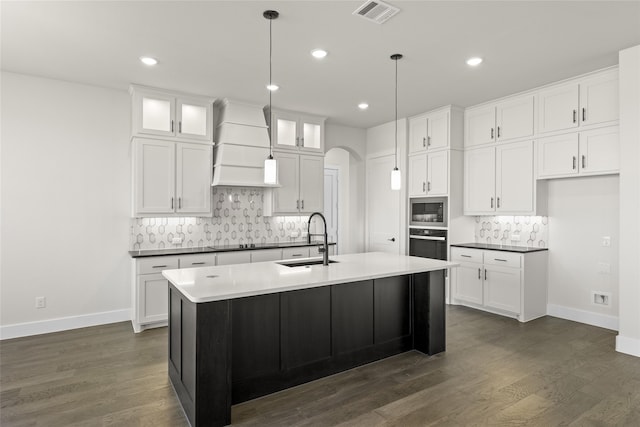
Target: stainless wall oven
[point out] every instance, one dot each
(428, 243)
(428, 211)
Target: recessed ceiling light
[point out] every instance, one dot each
(147, 60)
(273, 87)
(363, 106)
(319, 53)
(474, 61)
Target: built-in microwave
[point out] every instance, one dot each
(428, 211)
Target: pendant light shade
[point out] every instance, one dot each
(270, 164)
(396, 176)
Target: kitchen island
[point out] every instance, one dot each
(242, 331)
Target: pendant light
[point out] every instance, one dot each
(270, 165)
(396, 177)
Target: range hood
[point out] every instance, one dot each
(241, 145)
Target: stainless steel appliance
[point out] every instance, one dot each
(428, 211)
(428, 243)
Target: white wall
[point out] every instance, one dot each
(353, 140)
(628, 340)
(64, 204)
(581, 212)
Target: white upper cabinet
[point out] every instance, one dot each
(301, 179)
(171, 178)
(591, 152)
(585, 102)
(429, 131)
(417, 175)
(297, 131)
(507, 120)
(160, 113)
(500, 180)
(438, 173)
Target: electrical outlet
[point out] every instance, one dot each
(176, 240)
(294, 234)
(604, 268)
(515, 237)
(600, 298)
(41, 302)
(606, 241)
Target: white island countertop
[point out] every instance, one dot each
(205, 284)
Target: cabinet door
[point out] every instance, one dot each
(468, 283)
(514, 118)
(154, 177)
(311, 183)
(479, 126)
(194, 119)
(193, 178)
(417, 134)
(266, 255)
(438, 173)
(311, 137)
(514, 178)
(558, 156)
(558, 108)
(600, 151)
(502, 288)
(479, 181)
(153, 114)
(418, 175)
(599, 99)
(438, 131)
(153, 303)
(286, 199)
(235, 257)
(285, 131)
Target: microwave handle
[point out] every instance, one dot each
(442, 239)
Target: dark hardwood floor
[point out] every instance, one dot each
(496, 371)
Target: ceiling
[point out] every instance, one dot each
(220, 48)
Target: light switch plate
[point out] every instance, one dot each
(606, 241)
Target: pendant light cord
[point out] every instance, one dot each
(270, 115)
(396, 156)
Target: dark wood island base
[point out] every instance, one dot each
(230, 351)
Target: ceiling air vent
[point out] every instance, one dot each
(376, 11)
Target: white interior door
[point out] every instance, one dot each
(331, 204)
(383, 206)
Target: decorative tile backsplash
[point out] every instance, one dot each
(237, 219)
(502, 229)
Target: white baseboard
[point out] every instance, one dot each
(63, 324)
(590, 318)
(628, 345)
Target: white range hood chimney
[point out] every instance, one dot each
(241, 145)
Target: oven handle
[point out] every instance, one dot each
(428, 238)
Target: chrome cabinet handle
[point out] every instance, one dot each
(393, 239)
(584, 162)
(491, 133)
(479, 274)
(198, 263)
(179, 202)
(574, 163)
(498, 131)
(172, 203)
(296, 255)
(492, 203)
(297, 204)
(158, 266)
(424, 187)
(302, 141)
(424, 141)
(485, 274)
(466, 256)
(428, 141)
(171, 125)
(499, 259)
(302, 205)
(584, 114)
(498, 202)
(575, 117)
(428, 185)
(297, 141)
(180, 126)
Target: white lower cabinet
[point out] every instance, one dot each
(292, 253)
(507, 283)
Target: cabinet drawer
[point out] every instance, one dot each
(466, 255)
(503, 259)
(289, 253)
(157, 264)
(200, 260)
(266, 255)
(234, 257)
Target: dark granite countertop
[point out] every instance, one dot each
(209, 249)
(505, 248)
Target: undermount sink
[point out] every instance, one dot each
(304, 263)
